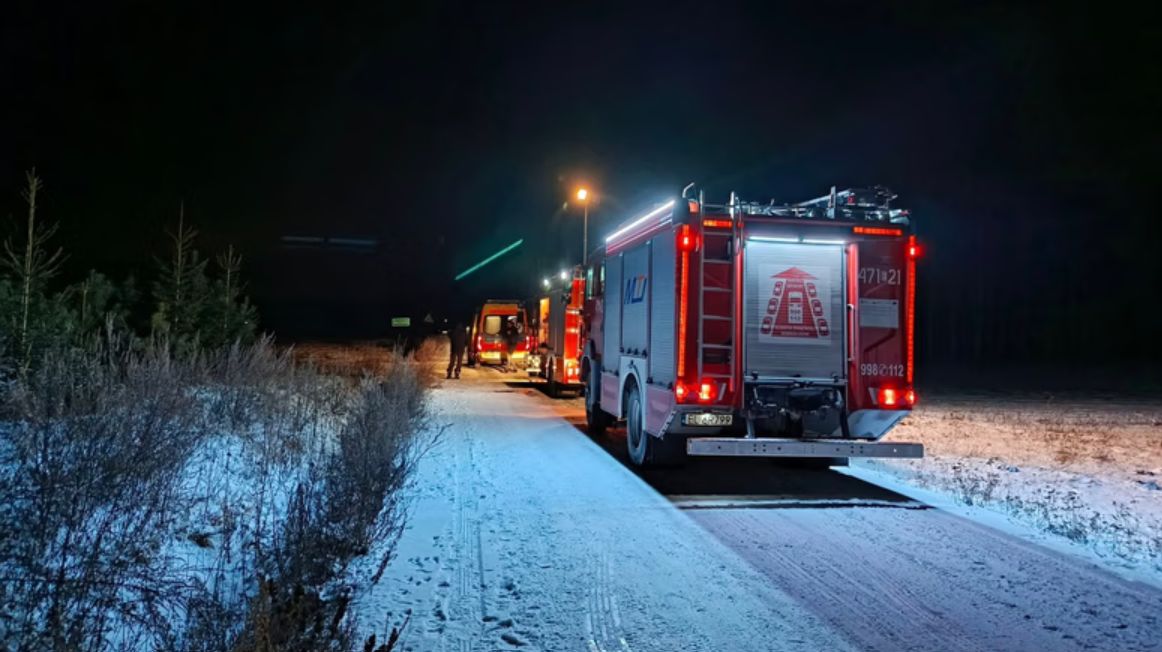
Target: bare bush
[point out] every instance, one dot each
(90, 470)
(350, 507)
(432, 357)
(211, 502)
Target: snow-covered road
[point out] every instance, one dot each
(527, 534)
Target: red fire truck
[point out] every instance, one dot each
(748, 329)
(558, 332)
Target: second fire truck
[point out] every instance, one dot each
(754, 329)
(558, 331)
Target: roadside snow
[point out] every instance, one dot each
(236, 500)
(1087, 473)
(524, 534)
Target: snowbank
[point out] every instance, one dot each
(1089, 472)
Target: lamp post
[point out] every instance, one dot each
(583, 197)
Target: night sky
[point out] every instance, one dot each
(1024, 139)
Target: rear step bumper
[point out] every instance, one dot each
(742, 447)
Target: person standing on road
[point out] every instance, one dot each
(509, 335)
(458, 341)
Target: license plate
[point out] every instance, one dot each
(707, 419)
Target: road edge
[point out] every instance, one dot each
(1001, 522)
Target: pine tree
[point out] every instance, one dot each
(181, 291)
(32, 266)
(234, 317)
(98, 302)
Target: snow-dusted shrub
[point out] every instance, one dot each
(350, 505)
(90, 466)
(207, 502)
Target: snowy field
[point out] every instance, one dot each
(1086, 471)
(527, 534)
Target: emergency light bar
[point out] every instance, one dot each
(632, 225)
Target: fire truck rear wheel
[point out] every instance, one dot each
(636, 437)
(595, 418)
(644, 448)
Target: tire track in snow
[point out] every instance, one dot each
(602, 618)
(469, 558)
(824, 577)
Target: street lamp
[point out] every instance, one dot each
(583, 197)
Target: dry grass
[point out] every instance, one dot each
(357, 360)
(370, 359)
(1080, 436)
(432, 358)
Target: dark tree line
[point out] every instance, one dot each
(192, 304)
(1036, 293)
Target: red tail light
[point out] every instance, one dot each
(707, 391)
(680, 391)
(479, 342)
(890, 397)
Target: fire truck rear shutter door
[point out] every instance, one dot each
(795, 315)
(612, 305)
(635, 299)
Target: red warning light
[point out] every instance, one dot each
(914, 249)
(888, 397)
(707, 391)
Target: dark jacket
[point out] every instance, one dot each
(459, 338)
